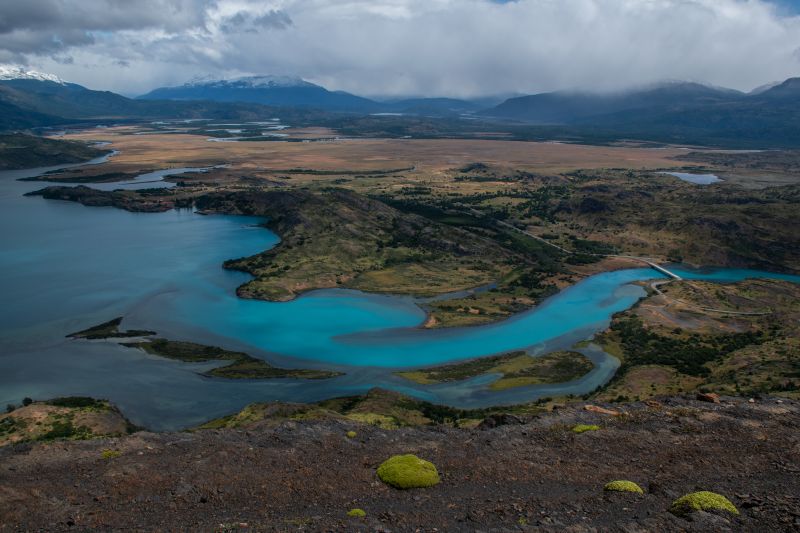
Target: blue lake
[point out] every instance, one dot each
(64, 267)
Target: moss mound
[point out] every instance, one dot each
(623, 486)
(702, 501)
(351, 434)
(408, 472)
(357, 513)
(582, 428)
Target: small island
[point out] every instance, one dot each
(109, 330)
(241, 366)
(517, 369)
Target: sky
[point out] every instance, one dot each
(388, 48)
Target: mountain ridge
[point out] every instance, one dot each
(265, 90)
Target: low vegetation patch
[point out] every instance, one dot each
(408, 472)
(583, 428)
(702, 501)
(386, 409)
(688, 355)
(623, 486)
(69, 418)
(356, 513)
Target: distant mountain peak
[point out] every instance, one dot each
(252, 82)
(764, 88)
(789, 88)
(17, 72)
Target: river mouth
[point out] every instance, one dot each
(66, 267)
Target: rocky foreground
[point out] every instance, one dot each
(508, 474)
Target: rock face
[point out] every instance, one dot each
(536, 476)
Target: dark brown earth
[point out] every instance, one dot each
(532, 476)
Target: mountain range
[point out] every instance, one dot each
(283, 91)
(672, 112)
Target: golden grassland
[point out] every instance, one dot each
(429, 155)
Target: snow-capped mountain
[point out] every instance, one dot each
(251, 82)
(16, 72)
(266, 90)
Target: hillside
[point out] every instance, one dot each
(574, 107)
(30, 102)
(26, 151)
(512, 473)
(678, 112)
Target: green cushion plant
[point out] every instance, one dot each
(408, 472)
(582, 428)
(623, 486)
(357, 513)
(702, 501)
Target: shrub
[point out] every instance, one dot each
(77, 402)
(408, 472)
(60, 430)
(351, 434)
(623, 486)
(582, 428)
(110, 454)
(357, 513)
(702, 501)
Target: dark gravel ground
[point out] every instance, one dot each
(533, 476)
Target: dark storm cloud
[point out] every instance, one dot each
(456, 48)
(244, 21)
(44, 26)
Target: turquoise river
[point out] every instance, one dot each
(65, 267)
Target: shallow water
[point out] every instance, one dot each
(697, 179)
(64, 267)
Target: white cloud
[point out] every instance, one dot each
(427, 47)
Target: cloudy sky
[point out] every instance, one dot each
(461, 48)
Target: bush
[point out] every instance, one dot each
(582, 428)
(60, 430)
(110, 454)
(77, 402)
(408, 472)
(357, 513)
(702, 501)
(351, 434)
(623, 486)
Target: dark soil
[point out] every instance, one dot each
(534, 475)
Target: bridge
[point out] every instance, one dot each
(663, 270)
